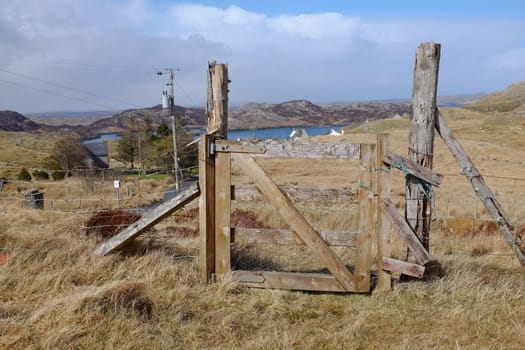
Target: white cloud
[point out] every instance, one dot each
(512, 60)
(322, 57)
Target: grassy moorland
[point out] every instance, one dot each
(56, 294)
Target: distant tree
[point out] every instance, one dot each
(127, 149)
(24, 175)
(145, 141)
(40, 175)
(163, 130)
(67, 153)
(161, 153)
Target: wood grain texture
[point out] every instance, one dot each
(419, 252)
(222, 213)
(217, 100)
(206, 209)
(383, 225)
(283, 236)
(289, 280)
(300, 194)
(402, 267)
(412, 168)
(295, 149)
(423, 109)
(365, 201)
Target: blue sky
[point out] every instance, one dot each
(102, 54)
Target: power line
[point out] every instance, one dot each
(56, 94)
(68, 88)
(89, 66)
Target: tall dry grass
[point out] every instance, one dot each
(55, 294)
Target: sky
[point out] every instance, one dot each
(70, 55)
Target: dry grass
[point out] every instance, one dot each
(55, 294)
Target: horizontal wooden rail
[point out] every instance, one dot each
(299, 194)
(288, 149)
(283, 236)
(289, 280)
(402, 267)
(412, 168)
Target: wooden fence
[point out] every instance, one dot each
(218, 236)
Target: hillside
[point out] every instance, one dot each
(259, 115)
(13, 121)
(117, 123)
(302, 113)
(507, 100)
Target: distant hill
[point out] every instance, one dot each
(302, 113)
(251, 115)
(191, 117)
(507, 100)
(70, 117)
(259, 115)
(13, 121)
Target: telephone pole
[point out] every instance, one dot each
(171, 99)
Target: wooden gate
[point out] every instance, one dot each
(218, 235)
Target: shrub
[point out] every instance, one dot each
(58, 175)
(24, 175)
(40, 175)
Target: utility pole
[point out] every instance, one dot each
(171, 97)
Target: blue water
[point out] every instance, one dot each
(103, 137)
(276, 133)
(264, 133)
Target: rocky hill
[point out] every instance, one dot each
(13, 121)
(302, 113)
(191, 117)
(260, 115)
(251, 115)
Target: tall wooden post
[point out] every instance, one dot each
(206, 208)
(217, 103)
(365, 202)
(423, 110)
(211, 214)
(383, 225)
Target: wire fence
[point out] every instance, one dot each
(85, 195)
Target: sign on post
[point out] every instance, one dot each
(116, 184)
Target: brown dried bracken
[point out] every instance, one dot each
(109, 222)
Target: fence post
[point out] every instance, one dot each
(365, 202)
(206, 208)
(384, 227)
(217, 102)
(423, 110)
(222, 213)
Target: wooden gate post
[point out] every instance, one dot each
(365, 202)
(418, 203)
(217, 103)
(211, 215)
(206, 208)
(383, 227)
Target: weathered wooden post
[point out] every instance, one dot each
(216, 127)
(423, 110)
(365, 201)
(383, 226)
(217, 103)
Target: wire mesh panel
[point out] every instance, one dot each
(280, 249)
